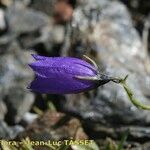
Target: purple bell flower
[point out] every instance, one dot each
(68, 75)
(65, 75)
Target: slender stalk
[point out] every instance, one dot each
(131, 97)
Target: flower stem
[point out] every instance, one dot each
(130, 94)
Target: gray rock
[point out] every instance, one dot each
(45, 6)
(49, 36)
(88, 13)
(137, 132)
(14, 78)
(33, 28)
(18, 101)
(23, 2)
(2, 20)
(5, 42)
(21, 19)
(146, 146)
(117, 45)
(3, 110)
(58, 34)
(28, 117)
(7, 132)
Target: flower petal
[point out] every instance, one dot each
(59, 66)
(38, 57)
(65, 85)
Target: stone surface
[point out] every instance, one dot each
(3, 109)
(14, 77)
(47, 40)
(21, 19)
(45, 6)
(18, 102)
(7, 132)
(29, 117)
(2, 21)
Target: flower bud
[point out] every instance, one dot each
(65, 75)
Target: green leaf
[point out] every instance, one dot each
(51, 106)
(123, 139)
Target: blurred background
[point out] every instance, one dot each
(114, 33)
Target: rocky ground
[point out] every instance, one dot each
(114, 33)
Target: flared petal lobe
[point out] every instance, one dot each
(57, 75)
